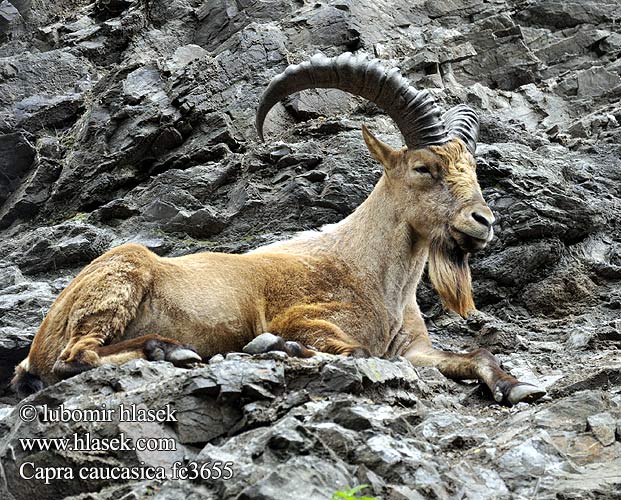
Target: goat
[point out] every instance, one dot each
(348, 289)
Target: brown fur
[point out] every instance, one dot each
(347, 289)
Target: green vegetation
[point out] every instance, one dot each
(64, 216)
(351, 494)
(79, 216)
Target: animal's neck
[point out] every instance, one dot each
(379, 244)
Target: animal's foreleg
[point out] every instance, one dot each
(478, 365)
(268, 342)
(303, 326)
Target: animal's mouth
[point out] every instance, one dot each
(470, 243)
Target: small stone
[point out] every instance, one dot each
(236, 355)
(403, 493)
(185, 55)
(216, 359)
(603, 427)
(9, 15)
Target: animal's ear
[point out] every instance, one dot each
(380, 151)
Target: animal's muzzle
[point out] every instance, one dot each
(473, 228)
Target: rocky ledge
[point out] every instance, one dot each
(291, 428)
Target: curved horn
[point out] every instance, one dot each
(415, 113)
(462, 121)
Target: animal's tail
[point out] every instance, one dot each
(24, 382)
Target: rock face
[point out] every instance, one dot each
(126, 121)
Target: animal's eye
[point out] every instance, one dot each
(422, 170)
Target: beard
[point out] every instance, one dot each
(450, 276)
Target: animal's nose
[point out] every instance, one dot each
(483, 217)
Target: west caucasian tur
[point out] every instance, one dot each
(349, 288)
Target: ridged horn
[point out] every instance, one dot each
(462, 121)
(415, 112)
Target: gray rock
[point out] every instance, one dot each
(17, 155)
(9, 17)
(199, 224)
(14, 347)
(603, 427)
(185, 55)
(596, 82)
(27, 200)
(51, 73)
(35, 112)
(262, 343)
(61, 246)
(559, 14)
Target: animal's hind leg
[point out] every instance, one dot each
(101, 301)
(150, 347)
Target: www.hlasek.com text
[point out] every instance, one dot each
(88, 442)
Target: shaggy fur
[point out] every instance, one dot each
(450, 276)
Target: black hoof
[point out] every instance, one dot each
(177, 354)
(64, 370)
(266, 342)
(521, 392)
(525, 393)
